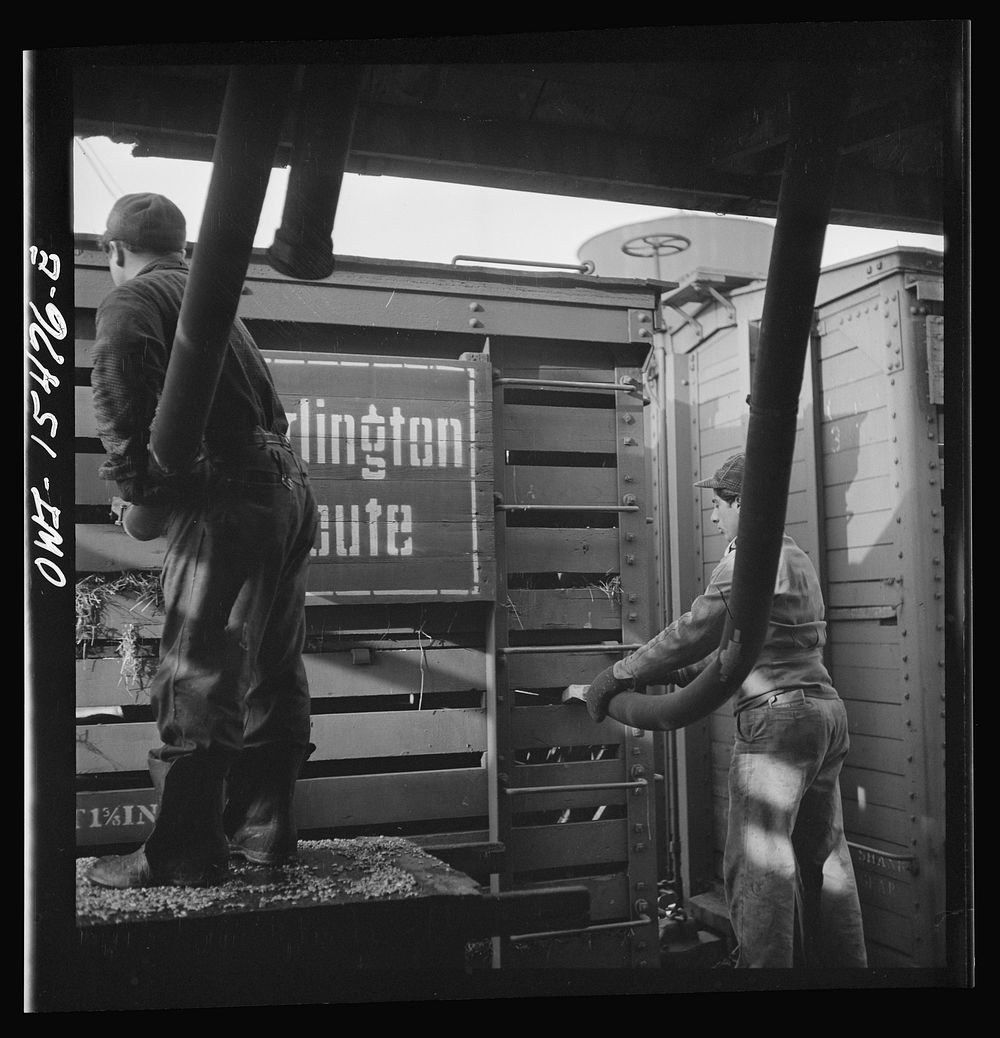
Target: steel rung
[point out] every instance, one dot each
(550, 383)
(511, 791)
(643, 920)
(511, 650)
(566, 508)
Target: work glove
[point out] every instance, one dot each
(601, 691)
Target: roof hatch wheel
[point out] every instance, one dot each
(648, 246)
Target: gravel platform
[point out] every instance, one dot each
(326, 872)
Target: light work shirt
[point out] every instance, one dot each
(792, 653)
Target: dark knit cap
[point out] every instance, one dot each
(728, 477)
(147, 222)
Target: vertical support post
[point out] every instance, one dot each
(660, 511)
(499, 696)
(814, 545)
(917, 478)
(692, 745)
(636, 614)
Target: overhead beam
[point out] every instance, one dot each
(705, 134)
(403, 142)
(758, 130)
(623, 168)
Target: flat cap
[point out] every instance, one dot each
(148, 222)
(728, 476)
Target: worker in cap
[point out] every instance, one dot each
(728, 477)
(146, 223)
(230, 692)
(789, 879)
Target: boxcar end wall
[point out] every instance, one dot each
(865, 502)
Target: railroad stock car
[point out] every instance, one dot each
(503, 460)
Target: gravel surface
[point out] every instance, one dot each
(326, 871)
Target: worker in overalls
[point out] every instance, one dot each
(230, 692)
(788, 874)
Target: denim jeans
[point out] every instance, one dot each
(790, 884)
(234, 581)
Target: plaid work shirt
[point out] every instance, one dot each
(136, 323)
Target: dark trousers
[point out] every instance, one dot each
(234, 579)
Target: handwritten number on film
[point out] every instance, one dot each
(42, 330)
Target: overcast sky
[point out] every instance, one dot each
(392, 218)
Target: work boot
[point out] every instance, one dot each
(260, 790)
(134, 870)
(187, 847)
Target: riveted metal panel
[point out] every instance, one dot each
(636, 561)
(883, 521)
(934, 335)
(878, 335)
(921, 622)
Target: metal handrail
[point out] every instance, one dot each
(549, 383)
(511, 790)
(566, 508)
(512, 650)
(587, 267)
(643, 920)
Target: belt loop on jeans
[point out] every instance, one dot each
(776, 696)
(769, 699)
